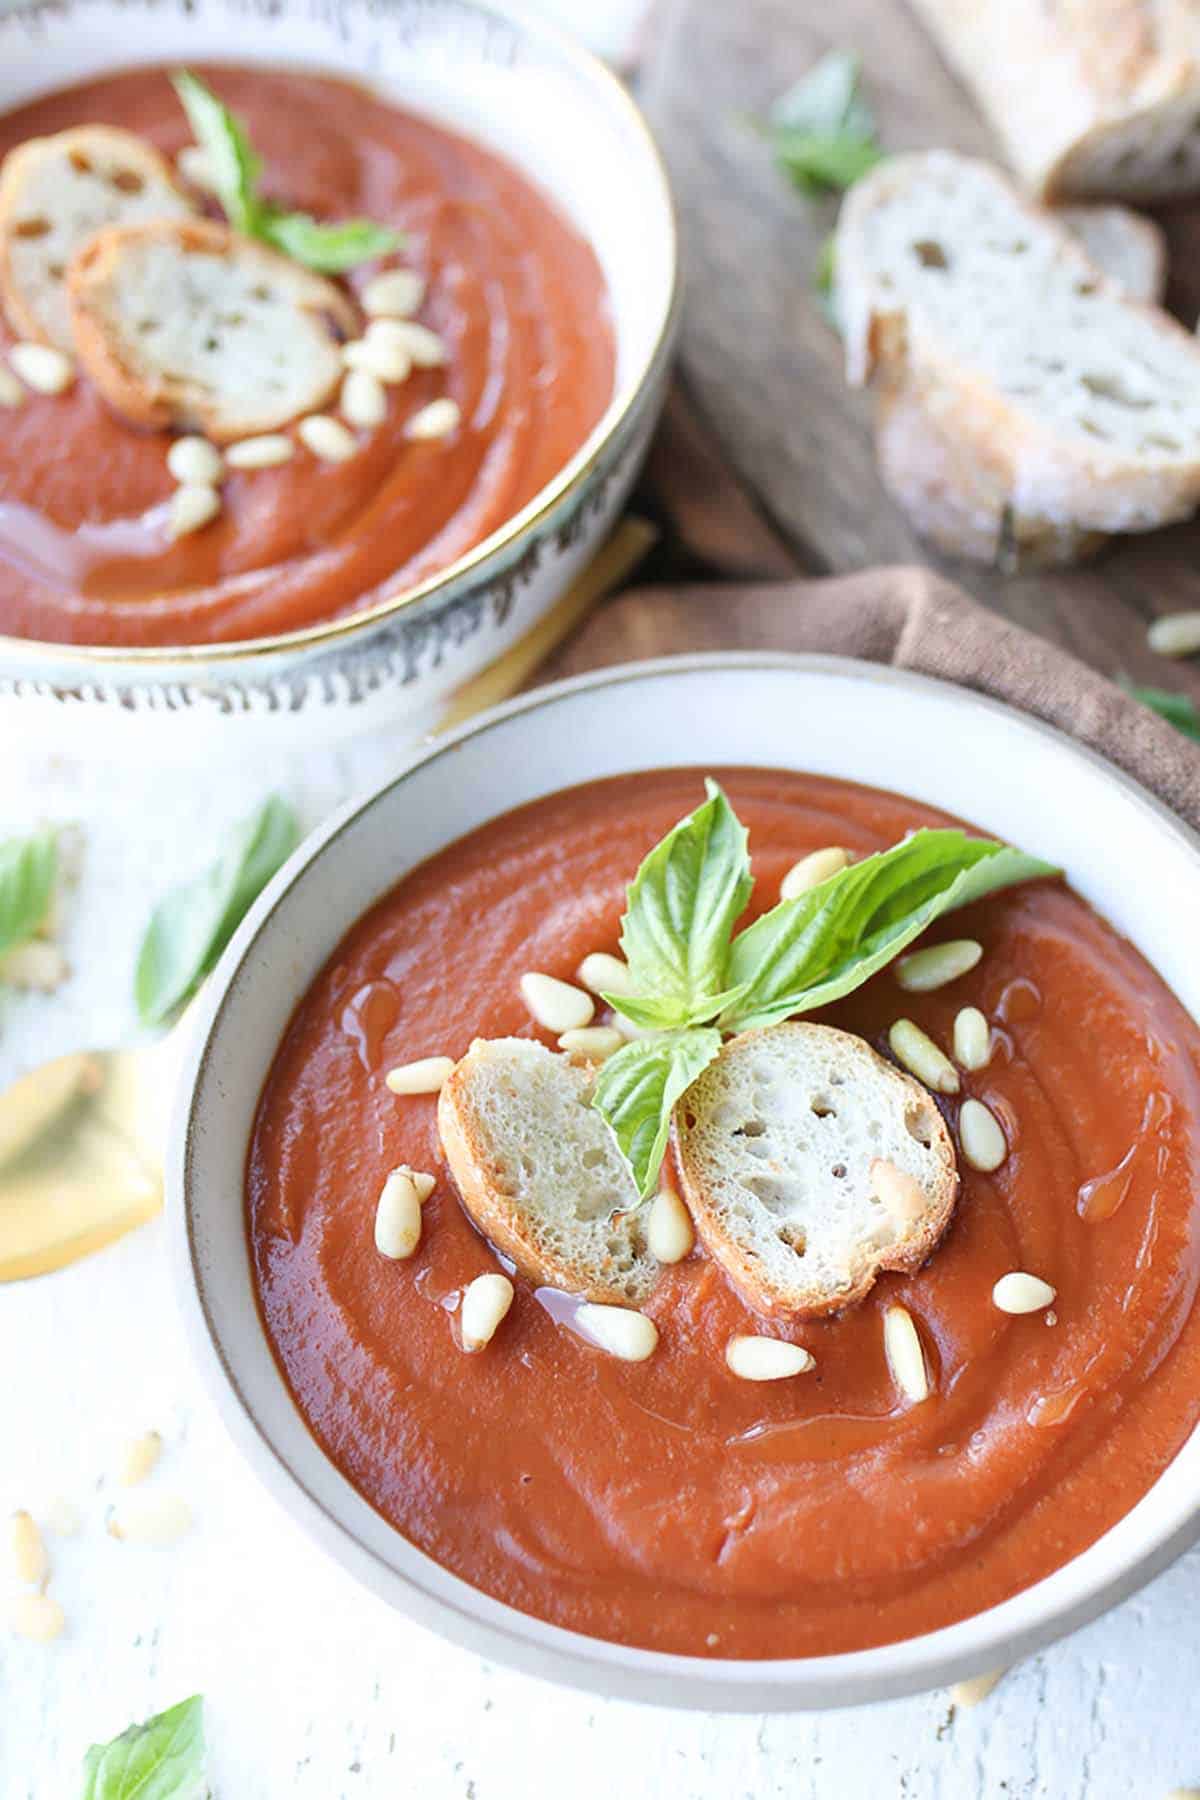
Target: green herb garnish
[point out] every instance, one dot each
(1177, 709)
(236, 169)
(191, 927)
(161, 1760)
(822, 132)
(28, 871)
(694, 980)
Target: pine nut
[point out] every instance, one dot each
(11, 391)
(195, 461)
(484, 1304)
(425, 348)
(62, 1518)
(1176, 635)
(556, 1005)
(938, 965)
(194, 167)
(767, 1359)
(396, 294)
(34, 966)
(972, 1039)
(390, 363)
(918, 1053)
(604, 974)
(437, 420)
(327, 438)
(596, 1042)
(28, 1551)
(670, 1233)
(983, 1142)
(427, 1075)
(899, 1193)
(626, 1334)
(905, 1357)
(976, 1689)
(423, 1183)
(42, 368)
(37, 1617)
(1021, 1293)
(193, 505)
(265, 452)
(363, 401)
(154, 1520)
(398, 1217)
(140, 1458)
(812, 870)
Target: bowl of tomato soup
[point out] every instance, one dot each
(659, 1528)
(533, 227)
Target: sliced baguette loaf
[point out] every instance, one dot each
(540, 1173)
(1129, 249)
(779, 1143)
(1024, 403)
(55, 193)
(183, 323)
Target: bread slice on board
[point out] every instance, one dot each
(540, 1173)
(55, 193)
(779, 1144)
(1092, 99)
(1129, 249)
(1026, 408)
(183, 323)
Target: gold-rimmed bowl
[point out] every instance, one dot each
(557, 114)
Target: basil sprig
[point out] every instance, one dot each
(693, 980)
(28, 871)
(191, 926)
(163, 1759)
(822, 132)
(236, 168)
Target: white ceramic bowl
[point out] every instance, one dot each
(508, 82)
(933, 742)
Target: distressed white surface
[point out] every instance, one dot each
(313, 1688)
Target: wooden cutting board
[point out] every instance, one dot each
(763, 366)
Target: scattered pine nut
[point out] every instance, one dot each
(395, 294)
(437, 420)
(812, 870)
(193, 505)
(264, 452)
(195, 461)
(972, 1039)
(425, 1076)
(918, 1053)
(62, 1518)
(390, 363)
(899, 1193)
(42, 368)
(1020, 1293)
(977, 1688)
(363, 401)
(29, 1557)
(425, 348)
(327, 438)
(937, 965)
(596, 1042)
(556, 1005)
(423, 1183)
(624, 1333)
(11, 391)
(905, 1357)
(1176, 635)
(767, 1359)
(983, 1142)
(34, 966)
(670, 1232)
(604, 974)
(37, 1617)
(140, 1458)
(484, 1305)
(398, 1217)
(154, 1519)
(194, 167)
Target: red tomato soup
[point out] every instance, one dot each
(516, 294)
(668, 1504)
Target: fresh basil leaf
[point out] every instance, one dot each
(192, 925)
(822, 130)
(821, 161)
(1177, 709)
(637, 1091)
(682, 906)
(824, 283)
(231, 158)
(813, 950)
(28, 871)
(330, 248)
(161, 1760)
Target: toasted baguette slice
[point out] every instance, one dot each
(1129, 249)
(55, 192)
(183, 323)
(540, 1173)
(1066, 412)
(776, 1144)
